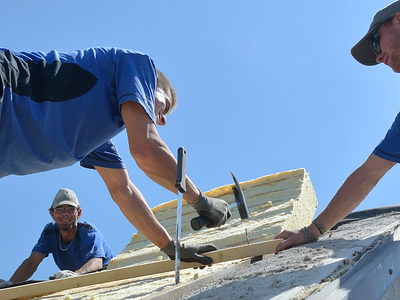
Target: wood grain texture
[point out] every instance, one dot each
(48, 287)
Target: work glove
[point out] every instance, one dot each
(4, 284)
(190, 253)
(63, 274)
(216, 210)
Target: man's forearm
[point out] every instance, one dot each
(160, 165)
(137, 211)
(91, 265)
(353, 191)
(24, 272)
(348, 197)
(133, 205)
(150, 152)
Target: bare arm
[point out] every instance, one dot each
(133, 205)
(348, 197)
(354, 190)
(150, 152)
(91, 265)
(28, 267)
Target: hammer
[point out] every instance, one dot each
(200, 221)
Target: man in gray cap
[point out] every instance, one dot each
(381, 44)
(77, 248)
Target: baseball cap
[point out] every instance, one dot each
(362, 51)
(65, 196)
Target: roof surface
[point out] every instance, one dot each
(357, 259)
(319, 270)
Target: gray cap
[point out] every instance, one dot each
(65, 196)
(362, 51)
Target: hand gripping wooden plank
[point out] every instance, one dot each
(48, 287)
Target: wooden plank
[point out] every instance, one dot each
(182, 289)
(218, 256)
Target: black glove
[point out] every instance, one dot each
(190, 253)
(216, 210)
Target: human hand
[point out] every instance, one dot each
(190, 253)
(214, 209)
(4, 283)
(63, 274)
(295, 238)
(290, 239)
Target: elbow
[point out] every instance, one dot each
(121, 193)
(373, 169)
(368, 177)
(138, 153)
(99, 264)
(143, 155)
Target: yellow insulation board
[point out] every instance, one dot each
(285, 200)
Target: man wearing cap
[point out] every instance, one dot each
(77, 248)
(381, 44)
(58, 108)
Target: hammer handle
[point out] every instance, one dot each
(199, 222)
(181, 171)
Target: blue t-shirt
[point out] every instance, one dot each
(59, 108)
(88, 243)
(389, 147)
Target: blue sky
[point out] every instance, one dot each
(263, 87)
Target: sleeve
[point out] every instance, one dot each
(92, 243)
(136, 80)
(389, 147)
(106, 156)
(43, 244)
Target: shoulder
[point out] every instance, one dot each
(121, 51)
(50, 228)
(88, 231)
(86, 227)
(106, 52)
(132, 57)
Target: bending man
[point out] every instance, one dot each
(60, 108)
(381, 44)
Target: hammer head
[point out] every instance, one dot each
(239, 198)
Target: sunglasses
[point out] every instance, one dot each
(376, 39)
(68, 210)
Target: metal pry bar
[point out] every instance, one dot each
(199, 222)
(181, 188)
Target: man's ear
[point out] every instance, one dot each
(79, 212)
(51, 212)
(396, 17)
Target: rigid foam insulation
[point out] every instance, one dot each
(284, 200)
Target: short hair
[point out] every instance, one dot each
(164, 84)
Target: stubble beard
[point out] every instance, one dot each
(66, 227)
(395, 59)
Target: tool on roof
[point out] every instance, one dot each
(240, 202)
(181, 187)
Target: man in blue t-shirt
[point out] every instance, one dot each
(381, 44)
(77, 248)
(59, 108)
